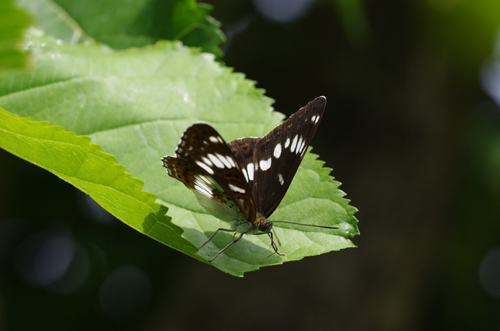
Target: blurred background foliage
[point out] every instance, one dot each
(412, 130)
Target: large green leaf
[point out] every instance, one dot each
(136, 104)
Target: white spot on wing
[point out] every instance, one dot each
(280, 179)
(207, 161)
(300, 144)
(236, 188)
(206, 179)
(206, 167)
(231, 161)
(250, 171)
(265, 164)
(303, 147)
(213, 139)
(245, 174)
(294, 143)
(277, 151)
(287, 142)
(223, 160)
(202, 188)
(215, 161)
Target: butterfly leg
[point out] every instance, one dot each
(227, 246)
(209, 239)
(275, 247)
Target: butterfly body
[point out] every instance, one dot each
(242, 182)
(240, 225)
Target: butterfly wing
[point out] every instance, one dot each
(205, 188)
(278, 154)
(207, 166)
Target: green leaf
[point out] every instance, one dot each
(13, 23)
(136, 104)
(54, 20)
(123, 24)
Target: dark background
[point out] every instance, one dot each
(410, 132)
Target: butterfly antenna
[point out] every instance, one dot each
(315, 226)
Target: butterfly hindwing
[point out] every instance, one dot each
(206, 165)
(205, 188)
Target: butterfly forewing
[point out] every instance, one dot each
(206, 165)
(278, 155)
(243, 150)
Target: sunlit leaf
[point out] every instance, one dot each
(135, 104)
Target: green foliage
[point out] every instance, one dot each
(123, 24)
(135, 104)
(13, 23)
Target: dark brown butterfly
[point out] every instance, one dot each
(244, 181)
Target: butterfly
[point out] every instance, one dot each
(243, 182)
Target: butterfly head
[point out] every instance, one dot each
(266, 226)
(263, 224)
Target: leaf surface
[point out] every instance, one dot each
(135, 104)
